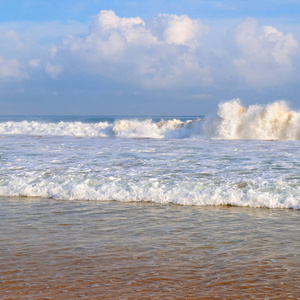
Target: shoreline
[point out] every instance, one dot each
(147, 202)
(67, 249)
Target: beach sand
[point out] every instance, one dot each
(109, 250)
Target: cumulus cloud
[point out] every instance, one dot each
(14, 38)
(132, 30)
(262, 55)
(158, 53)
(34, 63)
(53, 51)
(169, 51)
(110, 36)
(283, 46)
(11, 69)
(180, 30)
(53, 70)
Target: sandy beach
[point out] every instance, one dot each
(109, 250)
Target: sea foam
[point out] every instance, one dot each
(233, 121)
(169, 161)
(274, 121)
(199, 193)
(131, 128)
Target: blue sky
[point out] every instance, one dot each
(146, 57)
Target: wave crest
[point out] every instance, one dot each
(274, 121)
(120, 128)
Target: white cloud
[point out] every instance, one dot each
(53, 70)
(131, 49)
(283, 45)
(181, 30)
(133, 30)
(14, 37)
(169, 51)
(53, 51)
(262, 54)
(110, 36)
(11, 69)
(34, 63)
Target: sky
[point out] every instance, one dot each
(99, 57)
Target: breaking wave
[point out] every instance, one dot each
(203, 193)
(233, 121)
(120, 128)
(274, 121)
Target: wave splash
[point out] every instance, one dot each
(274, 121)
(120, 128)
(163, 129)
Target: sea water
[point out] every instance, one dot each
(167, 206)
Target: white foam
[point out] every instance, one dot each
(274, 121)
(149, 129)
(34, 128)
(202, 193)
(120, 128)
(169, 166)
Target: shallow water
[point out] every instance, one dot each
(187, 161)
(95, 250)
(185, 171)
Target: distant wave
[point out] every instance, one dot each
(35, 128)
(120, 128)
(233, 121)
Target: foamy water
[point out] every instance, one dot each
(116, 208)
(132, 128)
(233, 121)
(274, 121)
(243, 157)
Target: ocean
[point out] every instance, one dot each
(190, 207)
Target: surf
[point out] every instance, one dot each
(275, 121)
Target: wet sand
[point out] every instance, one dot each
(109, 250)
